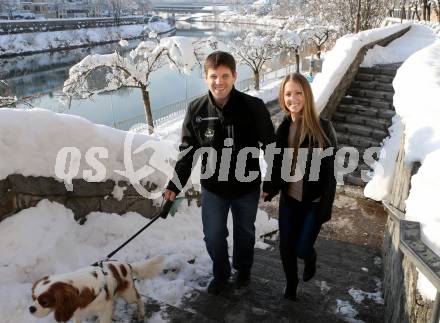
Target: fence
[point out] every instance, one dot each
(172, 110)
(29, 26)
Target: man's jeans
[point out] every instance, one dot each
(215, 210)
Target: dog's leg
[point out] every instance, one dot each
(141, 308)
(131, 296)
(107, 313)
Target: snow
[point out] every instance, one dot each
(323, 286)
(346, 311)
(340, 57)
(40, 135)
(381, 183)
(417, 93)
(359, 295)
(46, 240)
(32, 42)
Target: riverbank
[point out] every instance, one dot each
(33, 43)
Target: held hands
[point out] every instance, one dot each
(169, 195)
(266, 196)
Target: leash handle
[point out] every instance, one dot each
(163, 213)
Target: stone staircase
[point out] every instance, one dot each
(326, 298)
(364, 115)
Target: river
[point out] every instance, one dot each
(39, 79)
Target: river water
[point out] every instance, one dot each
(43, 75)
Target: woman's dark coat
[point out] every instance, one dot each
(324, 187)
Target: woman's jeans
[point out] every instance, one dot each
(299, 229)
(215, 210)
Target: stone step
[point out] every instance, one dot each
(355, 178)
(167, 311)
(357, 109)
(243, 305)
(339, 268)
(361, 130)
(367, 102)
(372, 85)
(359, 160)
(313, 304)
(370, 121)
(374, 77)
(388, 69)
(357, 141)
(374, 94)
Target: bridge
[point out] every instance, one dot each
(186, 8)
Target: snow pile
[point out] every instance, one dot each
(33, 42)
(341, 56)
(399, 50)
(32, 140)
(382, 180)
(416, 99)
(46, 240)
(418, 37)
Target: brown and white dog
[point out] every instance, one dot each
(91, 291)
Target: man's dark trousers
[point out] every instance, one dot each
(215, 211)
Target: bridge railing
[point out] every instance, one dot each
(174, 109)
(29, 26)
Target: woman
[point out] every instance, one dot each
(306, 201)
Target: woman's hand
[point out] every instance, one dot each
(265, 196)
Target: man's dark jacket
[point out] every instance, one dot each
(246, 119)
(324, 187)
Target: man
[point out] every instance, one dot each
(222, 123)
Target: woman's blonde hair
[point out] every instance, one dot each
(308, 124)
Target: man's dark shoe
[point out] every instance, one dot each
(242, 279)
(309, 267)
(216, 287)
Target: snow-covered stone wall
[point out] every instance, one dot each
(18, 192)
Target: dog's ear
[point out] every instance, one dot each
(66, 301)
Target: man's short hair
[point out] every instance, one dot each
(217, 58)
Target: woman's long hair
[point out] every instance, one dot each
(308, 121)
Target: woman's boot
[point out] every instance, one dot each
(290, 267)
(309, 266)
(290, 289)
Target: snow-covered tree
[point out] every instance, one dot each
(254, 49)
(290, 41)
(318, 36)
(436, 7)
(8, 6)
(287, 8)
(342, 13)
(103, 73)
(6, 99)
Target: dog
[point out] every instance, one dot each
(92, 291)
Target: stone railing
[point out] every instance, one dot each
(18, 192)
(30, 26)
(405, 254)
(350, 73)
